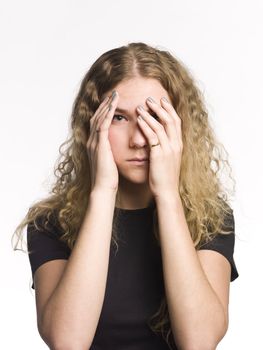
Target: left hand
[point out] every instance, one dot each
(164, 159)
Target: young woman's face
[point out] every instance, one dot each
(126, 138)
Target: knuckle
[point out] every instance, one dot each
(152, 140)
(169, 121)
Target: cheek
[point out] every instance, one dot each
(113, 139)
(117, 136)
(116, 140)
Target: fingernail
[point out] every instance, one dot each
(114, 94)
(150, 99)
(165, 99)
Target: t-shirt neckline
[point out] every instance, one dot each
(148, 209)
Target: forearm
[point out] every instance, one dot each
(196, 314)
(72, 312)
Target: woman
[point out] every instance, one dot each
(137, 171)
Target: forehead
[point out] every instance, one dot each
(135, 91)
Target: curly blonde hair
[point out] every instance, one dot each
(203, 195)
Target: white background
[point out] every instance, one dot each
(47, 47)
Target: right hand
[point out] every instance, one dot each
(103, 169)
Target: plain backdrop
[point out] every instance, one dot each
(47, 47)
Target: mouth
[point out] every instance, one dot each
(139, 161)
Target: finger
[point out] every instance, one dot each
(94, 123)
(99, 125)
(106, 121)
(152, 129)
(100, 112)
(92, 140)
(165, 118)
(151, 137)
(101, 107)
(105, 108)
(99, 116)
(172, 112)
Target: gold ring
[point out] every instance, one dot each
(157, 144)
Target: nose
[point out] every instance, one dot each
(137, 138)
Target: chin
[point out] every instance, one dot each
(138, 181)
(135, 178)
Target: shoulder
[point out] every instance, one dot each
(47, 223)
(224, 243)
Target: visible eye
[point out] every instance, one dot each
(118, 116)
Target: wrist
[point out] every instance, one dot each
(101, 192)
(172, 198)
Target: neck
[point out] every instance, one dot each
(133, 196)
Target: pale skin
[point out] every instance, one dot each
(196, 282)
(70, 293)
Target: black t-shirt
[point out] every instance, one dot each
(135, 284)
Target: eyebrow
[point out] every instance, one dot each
(124, 111)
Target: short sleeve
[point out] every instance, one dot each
(225, 243)
(44, 245)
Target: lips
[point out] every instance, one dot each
(138, 159)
